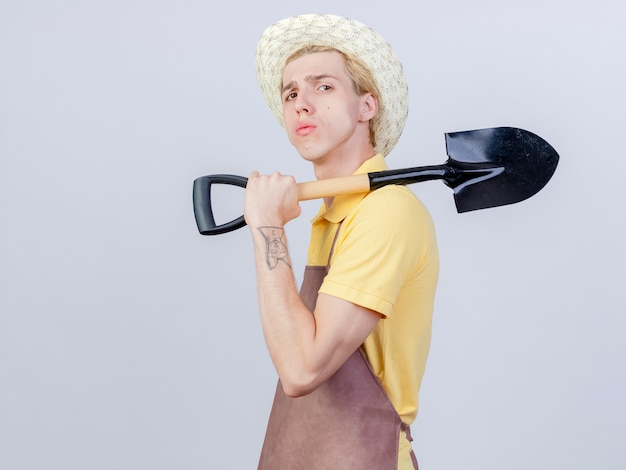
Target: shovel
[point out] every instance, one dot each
(486, 168)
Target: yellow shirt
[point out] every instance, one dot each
(385, 259)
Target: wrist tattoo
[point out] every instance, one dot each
(276, 248)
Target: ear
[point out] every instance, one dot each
(369, 106)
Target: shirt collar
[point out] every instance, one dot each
(343, 204)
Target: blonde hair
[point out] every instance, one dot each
(362, 79)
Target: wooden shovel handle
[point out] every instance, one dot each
(333, 187)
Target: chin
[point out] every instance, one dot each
(312, 154)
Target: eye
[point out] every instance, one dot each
(290, 96)
(325, 88)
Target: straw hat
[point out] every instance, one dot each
(287, 36)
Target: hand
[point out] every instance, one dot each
(270, 200)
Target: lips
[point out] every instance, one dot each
(305, 128)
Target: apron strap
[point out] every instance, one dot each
(332, 247)
(407, 431)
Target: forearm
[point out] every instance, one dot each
(288, 326)
(306, 347)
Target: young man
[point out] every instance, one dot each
(350, 349)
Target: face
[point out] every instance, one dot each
(323, 115)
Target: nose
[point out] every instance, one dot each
(303, 103)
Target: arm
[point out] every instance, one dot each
(306, 347)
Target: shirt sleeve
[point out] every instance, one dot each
(380, 246)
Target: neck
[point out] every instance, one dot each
(341, 165)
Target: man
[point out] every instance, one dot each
(350, 349)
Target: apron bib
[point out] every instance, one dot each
(347, 423)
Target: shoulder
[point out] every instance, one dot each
(389, 220)
(393, 196)
(393, 207)
(385, 242)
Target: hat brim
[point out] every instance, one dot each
(285, 37)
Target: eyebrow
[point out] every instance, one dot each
(308, 78)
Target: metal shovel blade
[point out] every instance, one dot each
(497, 166)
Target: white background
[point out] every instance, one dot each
(129, 341)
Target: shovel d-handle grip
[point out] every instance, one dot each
(202, 208)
